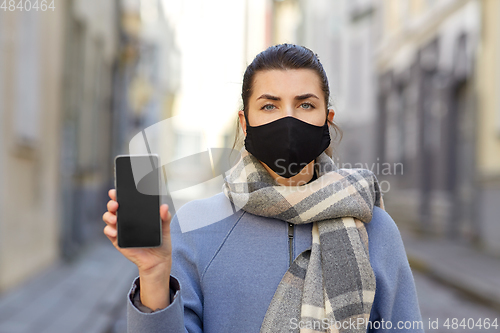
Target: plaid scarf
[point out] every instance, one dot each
(329, 287)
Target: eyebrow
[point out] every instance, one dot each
(305, 96)
(275, 98)
(267, 96)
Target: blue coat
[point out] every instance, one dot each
(227, 265)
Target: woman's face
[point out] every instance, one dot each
(283, 93)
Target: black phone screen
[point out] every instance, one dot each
(138, 214)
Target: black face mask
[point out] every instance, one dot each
(287, 145)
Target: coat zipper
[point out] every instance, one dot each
(290, 242)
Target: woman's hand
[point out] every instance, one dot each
(149, 261)
(154, 264)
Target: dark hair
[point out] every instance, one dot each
(284, 56)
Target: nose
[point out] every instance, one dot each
(289, 111)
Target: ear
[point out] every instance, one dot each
(330, 115)
(243, 123)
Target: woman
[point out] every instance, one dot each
(305, 247)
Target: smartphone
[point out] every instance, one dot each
(138, 215)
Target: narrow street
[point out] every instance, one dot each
(101, 279)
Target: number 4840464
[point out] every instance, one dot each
(27, 5)
(471, 323)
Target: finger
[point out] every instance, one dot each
(113, 240)
(109, 218)
(112, 194)
(165, 213)
(112, 206)
(110, 232)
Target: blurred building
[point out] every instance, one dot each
(439, 116)
(91, 45)
(55, 130)
(147, 79)
(76, 84)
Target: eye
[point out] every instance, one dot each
(306, 106)
(268, 107)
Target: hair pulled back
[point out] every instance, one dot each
(282, 57)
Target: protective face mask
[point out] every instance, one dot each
(287, 145)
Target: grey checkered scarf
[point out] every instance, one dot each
(329, 287)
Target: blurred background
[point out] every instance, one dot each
(415, 85)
